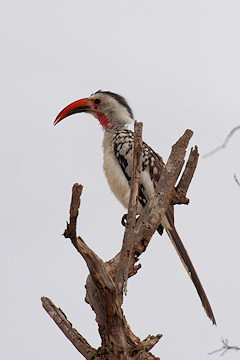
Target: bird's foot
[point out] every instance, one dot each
(124, 220)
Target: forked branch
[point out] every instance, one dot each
(226, 141)
(225, 347)
(107, 281)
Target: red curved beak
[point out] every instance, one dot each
(75, 107)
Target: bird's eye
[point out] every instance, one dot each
(97, 101)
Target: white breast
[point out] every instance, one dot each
(115, 177)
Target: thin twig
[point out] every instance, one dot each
(224, 144)
(236, 179)
(72, 334)
(127, 245)
(224, 348)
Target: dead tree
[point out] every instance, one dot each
(107, 282)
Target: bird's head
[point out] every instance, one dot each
(111, 109)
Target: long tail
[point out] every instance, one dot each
(182, 252)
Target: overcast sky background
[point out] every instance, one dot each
(178, 64)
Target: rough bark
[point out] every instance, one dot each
(127, 245)
(106, 282)
(72, 334)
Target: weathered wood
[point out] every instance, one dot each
(114, 322)
(127, 245)
(105, 284)
(156, 207)
(71, 230)
(72, 334)
(186, 178)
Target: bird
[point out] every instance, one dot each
(114, 114)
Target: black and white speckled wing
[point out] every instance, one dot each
(152, 164)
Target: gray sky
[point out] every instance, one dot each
(178, 64)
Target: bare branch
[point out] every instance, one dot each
(224, 144)
(224, 348)
(150, 341)
(156, 207)
(71, 232)
(101, 291)
(236, 179)
(127, 245)
(186, 178)
(72, 334)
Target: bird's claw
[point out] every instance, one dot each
(124, 220)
